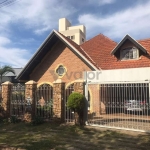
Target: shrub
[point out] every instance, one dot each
(37, 120)
(76, 102)
(14, 119)
(1, 119)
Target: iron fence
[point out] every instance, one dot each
(120, 105)
(44, 101)
(18, 100)
(69, 114)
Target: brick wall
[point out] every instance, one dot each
(59, 54)
(94, 99)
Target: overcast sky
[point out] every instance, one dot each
(25, 24)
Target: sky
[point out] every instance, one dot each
(25, 24)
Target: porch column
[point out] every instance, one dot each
(58, 99)
(30, 90)
(96, 107)
(6, 98)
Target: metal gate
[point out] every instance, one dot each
(18, 100)
(44, 101)
(69, 115)
(120, 105)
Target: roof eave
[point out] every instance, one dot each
(132, 40)
(33, 57)
(54, 32)
(71, 46)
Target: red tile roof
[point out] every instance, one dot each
(145, 43)
(79, 48)
(99, 48)
(98, 51)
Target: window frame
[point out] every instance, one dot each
(130, 52)
(60, 75)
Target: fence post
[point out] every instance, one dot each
(6, 98)
(30, 90)
(58, 99)
(96, 106)
(79, 87)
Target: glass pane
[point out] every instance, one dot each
(60, 71)
(134, 53)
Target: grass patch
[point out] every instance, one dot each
(62, 137)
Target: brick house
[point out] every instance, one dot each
(61, 58)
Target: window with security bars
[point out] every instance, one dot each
(129, 53)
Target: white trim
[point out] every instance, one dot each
(126, 37)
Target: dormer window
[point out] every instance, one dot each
(129, 53)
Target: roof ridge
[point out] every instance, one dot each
(100, 34)
(108, 38)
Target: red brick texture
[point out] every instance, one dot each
(94, 99)
(59, 54)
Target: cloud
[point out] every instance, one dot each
(32, 16)
(101, 2)
(14, 56)
(41, 15)
(4, 41)
(134, 21)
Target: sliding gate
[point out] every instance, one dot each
(120, 105)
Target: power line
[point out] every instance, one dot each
(7, 3)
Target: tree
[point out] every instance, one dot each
(76, 102)
(4, 70)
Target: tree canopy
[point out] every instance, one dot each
(4, 70)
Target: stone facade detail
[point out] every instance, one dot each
(6, 95)
(30, 90)
(79, 86)
(58, 99)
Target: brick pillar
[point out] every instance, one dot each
(6, 98)
(95, 103)
(30, 90)
(58, 99)
(79, 86)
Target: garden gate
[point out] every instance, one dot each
(69, 115)
(17, 107)
(44, 101)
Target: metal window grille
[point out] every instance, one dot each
(69, 115)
